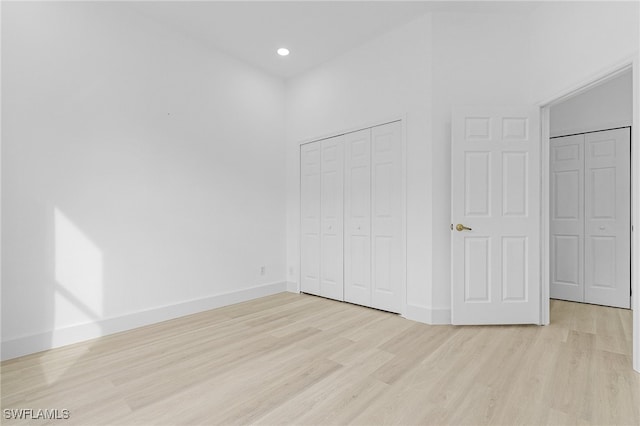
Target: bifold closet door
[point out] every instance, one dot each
(386, 217)
(567, 218)
(310, 160)
(357, 218)
(373, 217)
(321, 214)
(607, 241)
(590, 218)
(351, 214)
(331, 218)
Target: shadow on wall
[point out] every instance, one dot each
(78, 289)
(78, 274)
(69, 295)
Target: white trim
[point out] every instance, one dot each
(580, 87)
(299, 283)
(403, 285)
(635, 213)
(595, 79)
(1, 183)
(402, 118)
(432, 316)
(292, 287)
(440, 316)
(587, 129)
(366, 125)
(77, 333)
(544, 216)
(417, 313)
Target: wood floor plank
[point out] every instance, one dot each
(300, 359)
(338, 398)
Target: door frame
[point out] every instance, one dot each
(603, 76)
(402, 118)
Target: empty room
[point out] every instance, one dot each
(320, 212)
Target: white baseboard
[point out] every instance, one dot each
(433, 316)
(65, 336)
(292, 287)
(441, 316)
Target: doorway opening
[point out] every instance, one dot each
(556, 114)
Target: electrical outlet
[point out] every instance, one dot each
(263, 270)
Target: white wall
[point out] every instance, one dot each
(142, 175)
(384, 79)
(571, 42)
(605, 106)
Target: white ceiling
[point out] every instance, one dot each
(314, 31)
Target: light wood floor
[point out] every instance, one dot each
(297, 359)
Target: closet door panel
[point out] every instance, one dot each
(357, 217)
(386, 217)
(567, 218)
(310, 196)
(332, 213)
(607, 218)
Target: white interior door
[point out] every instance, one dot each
(310, 218)
(386, 217)
(357, 218)
(566, 222)
(331, 211)
(607, 218)
(495, 186)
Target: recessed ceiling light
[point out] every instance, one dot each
(283, 51)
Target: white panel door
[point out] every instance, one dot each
(310, 218)
(331, 218)
(386, 217)
(566, 222)
(607, 218)
(495, 186)
(357, 218)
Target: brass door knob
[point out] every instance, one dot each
(461, 227)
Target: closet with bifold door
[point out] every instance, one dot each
(590, 218)
(351, 242)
